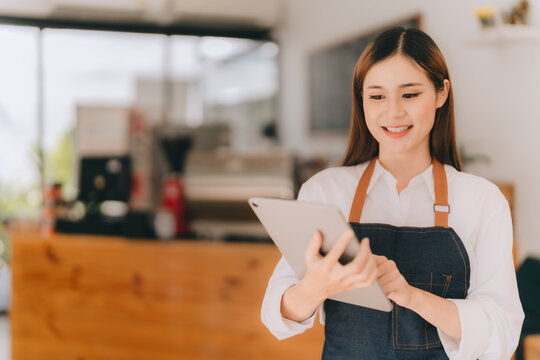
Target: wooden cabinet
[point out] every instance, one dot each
(89, 297)
(508, 191)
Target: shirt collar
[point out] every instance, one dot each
(425, 176)
(378, 172)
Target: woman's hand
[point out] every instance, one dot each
(326, 276)
(440, 312)
(393, 283)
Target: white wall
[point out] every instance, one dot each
(495, 87)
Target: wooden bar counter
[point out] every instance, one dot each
(91, 297)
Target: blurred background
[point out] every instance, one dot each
(132, 133)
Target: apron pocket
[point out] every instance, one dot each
(439, 284)
(409, 330)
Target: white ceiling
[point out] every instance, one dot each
(263, 13)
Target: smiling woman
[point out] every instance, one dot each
(396, 108)
(393, 81)
(440, 240)
(399, 99)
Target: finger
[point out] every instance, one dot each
(313, 251)
(387, 286)
(339, 247)
(360, 260)
(369, 268)
(373, 277)
(383, 269)
(366, 278)
(365, 250)
(388, 278)
(365, 243)
(381, 259)
(387, 267)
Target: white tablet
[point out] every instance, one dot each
(291, 225)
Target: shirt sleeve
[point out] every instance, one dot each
(491, 315)
(282, 279)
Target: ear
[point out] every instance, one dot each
(442, 94)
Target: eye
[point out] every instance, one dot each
(376, 97)
(410, 95)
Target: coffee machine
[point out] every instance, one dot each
(104, 191)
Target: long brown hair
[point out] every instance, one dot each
(418, 46)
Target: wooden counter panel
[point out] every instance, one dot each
(86, 297)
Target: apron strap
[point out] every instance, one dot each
(361, 190)
(440, 207)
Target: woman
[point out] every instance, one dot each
(438, 240)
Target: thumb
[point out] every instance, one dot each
(313, 250)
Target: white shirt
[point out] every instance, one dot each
(491, 315)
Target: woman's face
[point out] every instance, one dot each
(399, 105)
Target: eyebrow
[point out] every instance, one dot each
(401, 86)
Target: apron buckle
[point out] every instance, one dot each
(441, 208)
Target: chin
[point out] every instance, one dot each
(397, 148)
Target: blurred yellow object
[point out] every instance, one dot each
(486, 15)
(484, 12)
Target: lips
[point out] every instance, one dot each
(397, 131)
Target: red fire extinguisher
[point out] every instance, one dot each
(173, 201)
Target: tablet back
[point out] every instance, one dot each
(291, 225)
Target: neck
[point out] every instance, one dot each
(405, 166)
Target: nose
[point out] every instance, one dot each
(395, 109)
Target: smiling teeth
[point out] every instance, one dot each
(397, 129)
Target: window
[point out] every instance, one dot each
(19, 159)
(92, 69)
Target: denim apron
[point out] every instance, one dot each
(430, 258)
